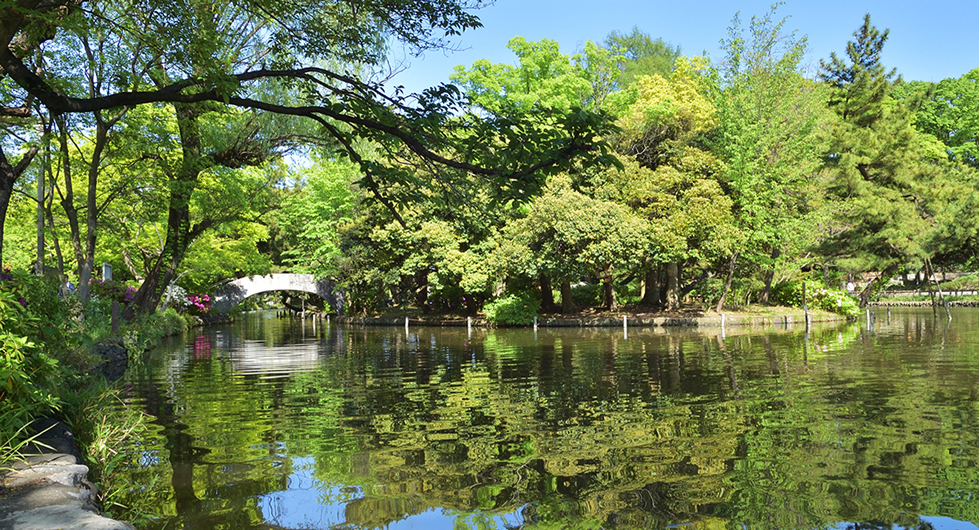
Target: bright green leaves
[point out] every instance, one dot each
(665, 110)
(544, 77)
(947, 111)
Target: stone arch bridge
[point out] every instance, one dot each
(232, 293)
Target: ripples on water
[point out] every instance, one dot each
(269, 424)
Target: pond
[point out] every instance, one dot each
(273, 423)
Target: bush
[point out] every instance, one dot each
(963, 283)
(589, 295)
(513, 310)
(111, 290)
(29, 375)
(200, 304)
(709, 291)
(817, 297)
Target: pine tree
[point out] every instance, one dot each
(893, 194)
(860, 84)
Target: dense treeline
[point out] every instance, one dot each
(624, 174)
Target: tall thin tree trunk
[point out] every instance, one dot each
(871, 287)
(673, 287)
(39, 266)
(728, 283)
(770, 273)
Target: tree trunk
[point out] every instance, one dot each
(547, 295)
(651, 297)
(608, 293)
(180, 233)
(728, 283)
(673, 287)
(422, 290)
(567, 307)
(764, 296)
(865, 296)
(7, 180)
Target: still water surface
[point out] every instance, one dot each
(271, 424)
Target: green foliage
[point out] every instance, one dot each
(817, 297)
(898, 202)
(544, 77)
(771, 123)
(962, 283)
(638, 55)
(29, 375)
(587, 295)
(513, 310)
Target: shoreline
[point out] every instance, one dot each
(630, 320)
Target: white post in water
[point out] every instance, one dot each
(624, 326)
(535, 323)
(406, 325)
(469, 323)
(723, 326)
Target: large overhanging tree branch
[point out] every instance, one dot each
(509, 150)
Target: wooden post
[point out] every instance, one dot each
(806, 310)
(115, 317)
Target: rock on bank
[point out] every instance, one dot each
(51, 490)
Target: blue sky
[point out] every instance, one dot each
(929, 41)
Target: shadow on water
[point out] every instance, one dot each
(270, 423)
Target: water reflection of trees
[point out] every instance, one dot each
(776, 430)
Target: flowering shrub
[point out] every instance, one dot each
(817, 296)
(200, 304)
(177, 297)
(111, 290)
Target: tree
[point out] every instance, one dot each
(568, 233)
(243, 57)
(544, 77)
(948, 111)
(894, 190)
(639, 55)
(675, 182)
(770, 123)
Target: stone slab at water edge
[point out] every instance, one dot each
(51, 490)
